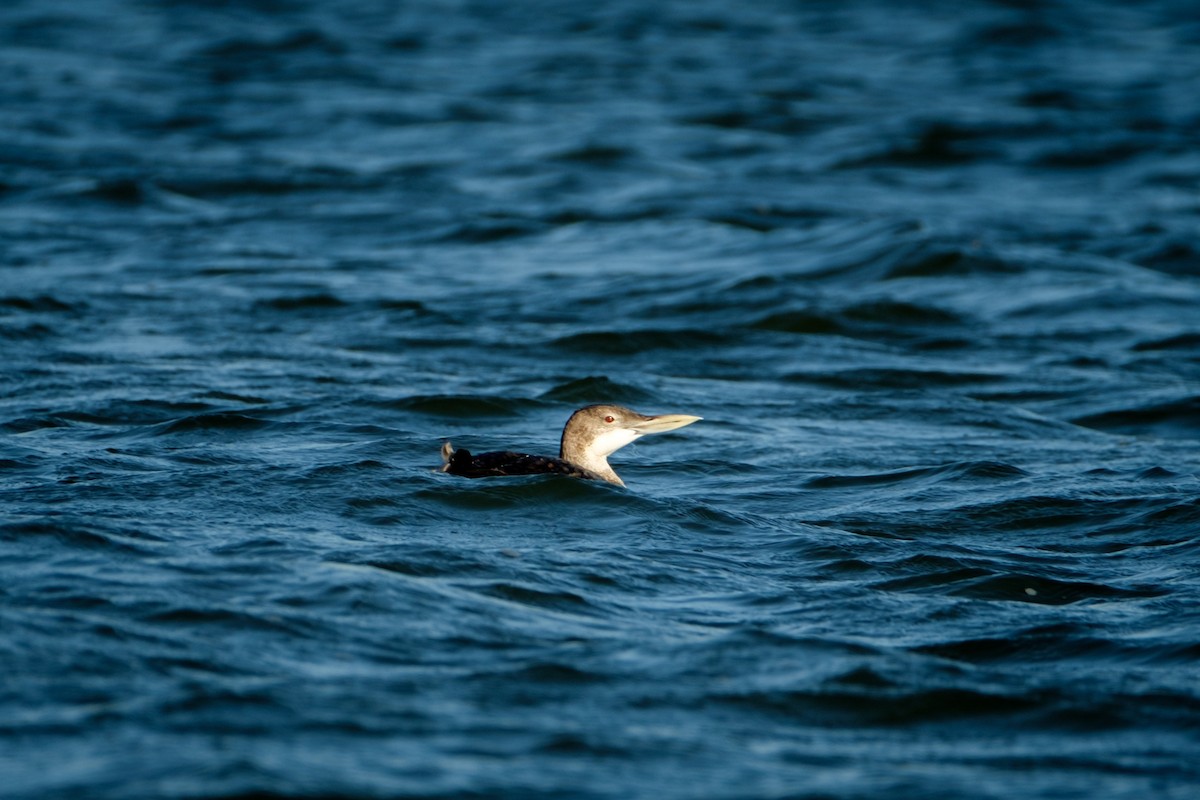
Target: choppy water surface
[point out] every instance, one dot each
(931, 277)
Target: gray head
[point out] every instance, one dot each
(593, 433)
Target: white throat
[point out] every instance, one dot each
(594, 455)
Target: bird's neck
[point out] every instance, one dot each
(592, 462)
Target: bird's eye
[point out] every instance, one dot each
(608, 419)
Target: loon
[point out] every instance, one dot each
(591, 435)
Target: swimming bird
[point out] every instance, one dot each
(591, 435)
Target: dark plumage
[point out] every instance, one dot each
(461, 462)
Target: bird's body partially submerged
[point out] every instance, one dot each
(591, 435)
(485, 465)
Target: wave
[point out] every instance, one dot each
(75, 533)
(596, 389)
(1183, 341)
(630, 342)
(1172, 419)
(966, 470)
(41, 304)
(526, 491)
(215, 421)
(964, 580)
(318, 301)
(878, 378)
(1063, 642)
(461, 405)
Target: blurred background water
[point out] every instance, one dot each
(930, 272)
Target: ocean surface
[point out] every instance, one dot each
(930, 272)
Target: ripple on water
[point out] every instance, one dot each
(936, 537)
(216, 422)
(74, 533)
(466, 406)
(1172, 419)
(964, 471)
(597, 389)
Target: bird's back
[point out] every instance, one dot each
(505, 462)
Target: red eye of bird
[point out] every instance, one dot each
(608, 419)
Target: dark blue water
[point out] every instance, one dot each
(931, 276)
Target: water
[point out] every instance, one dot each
(930, 276)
